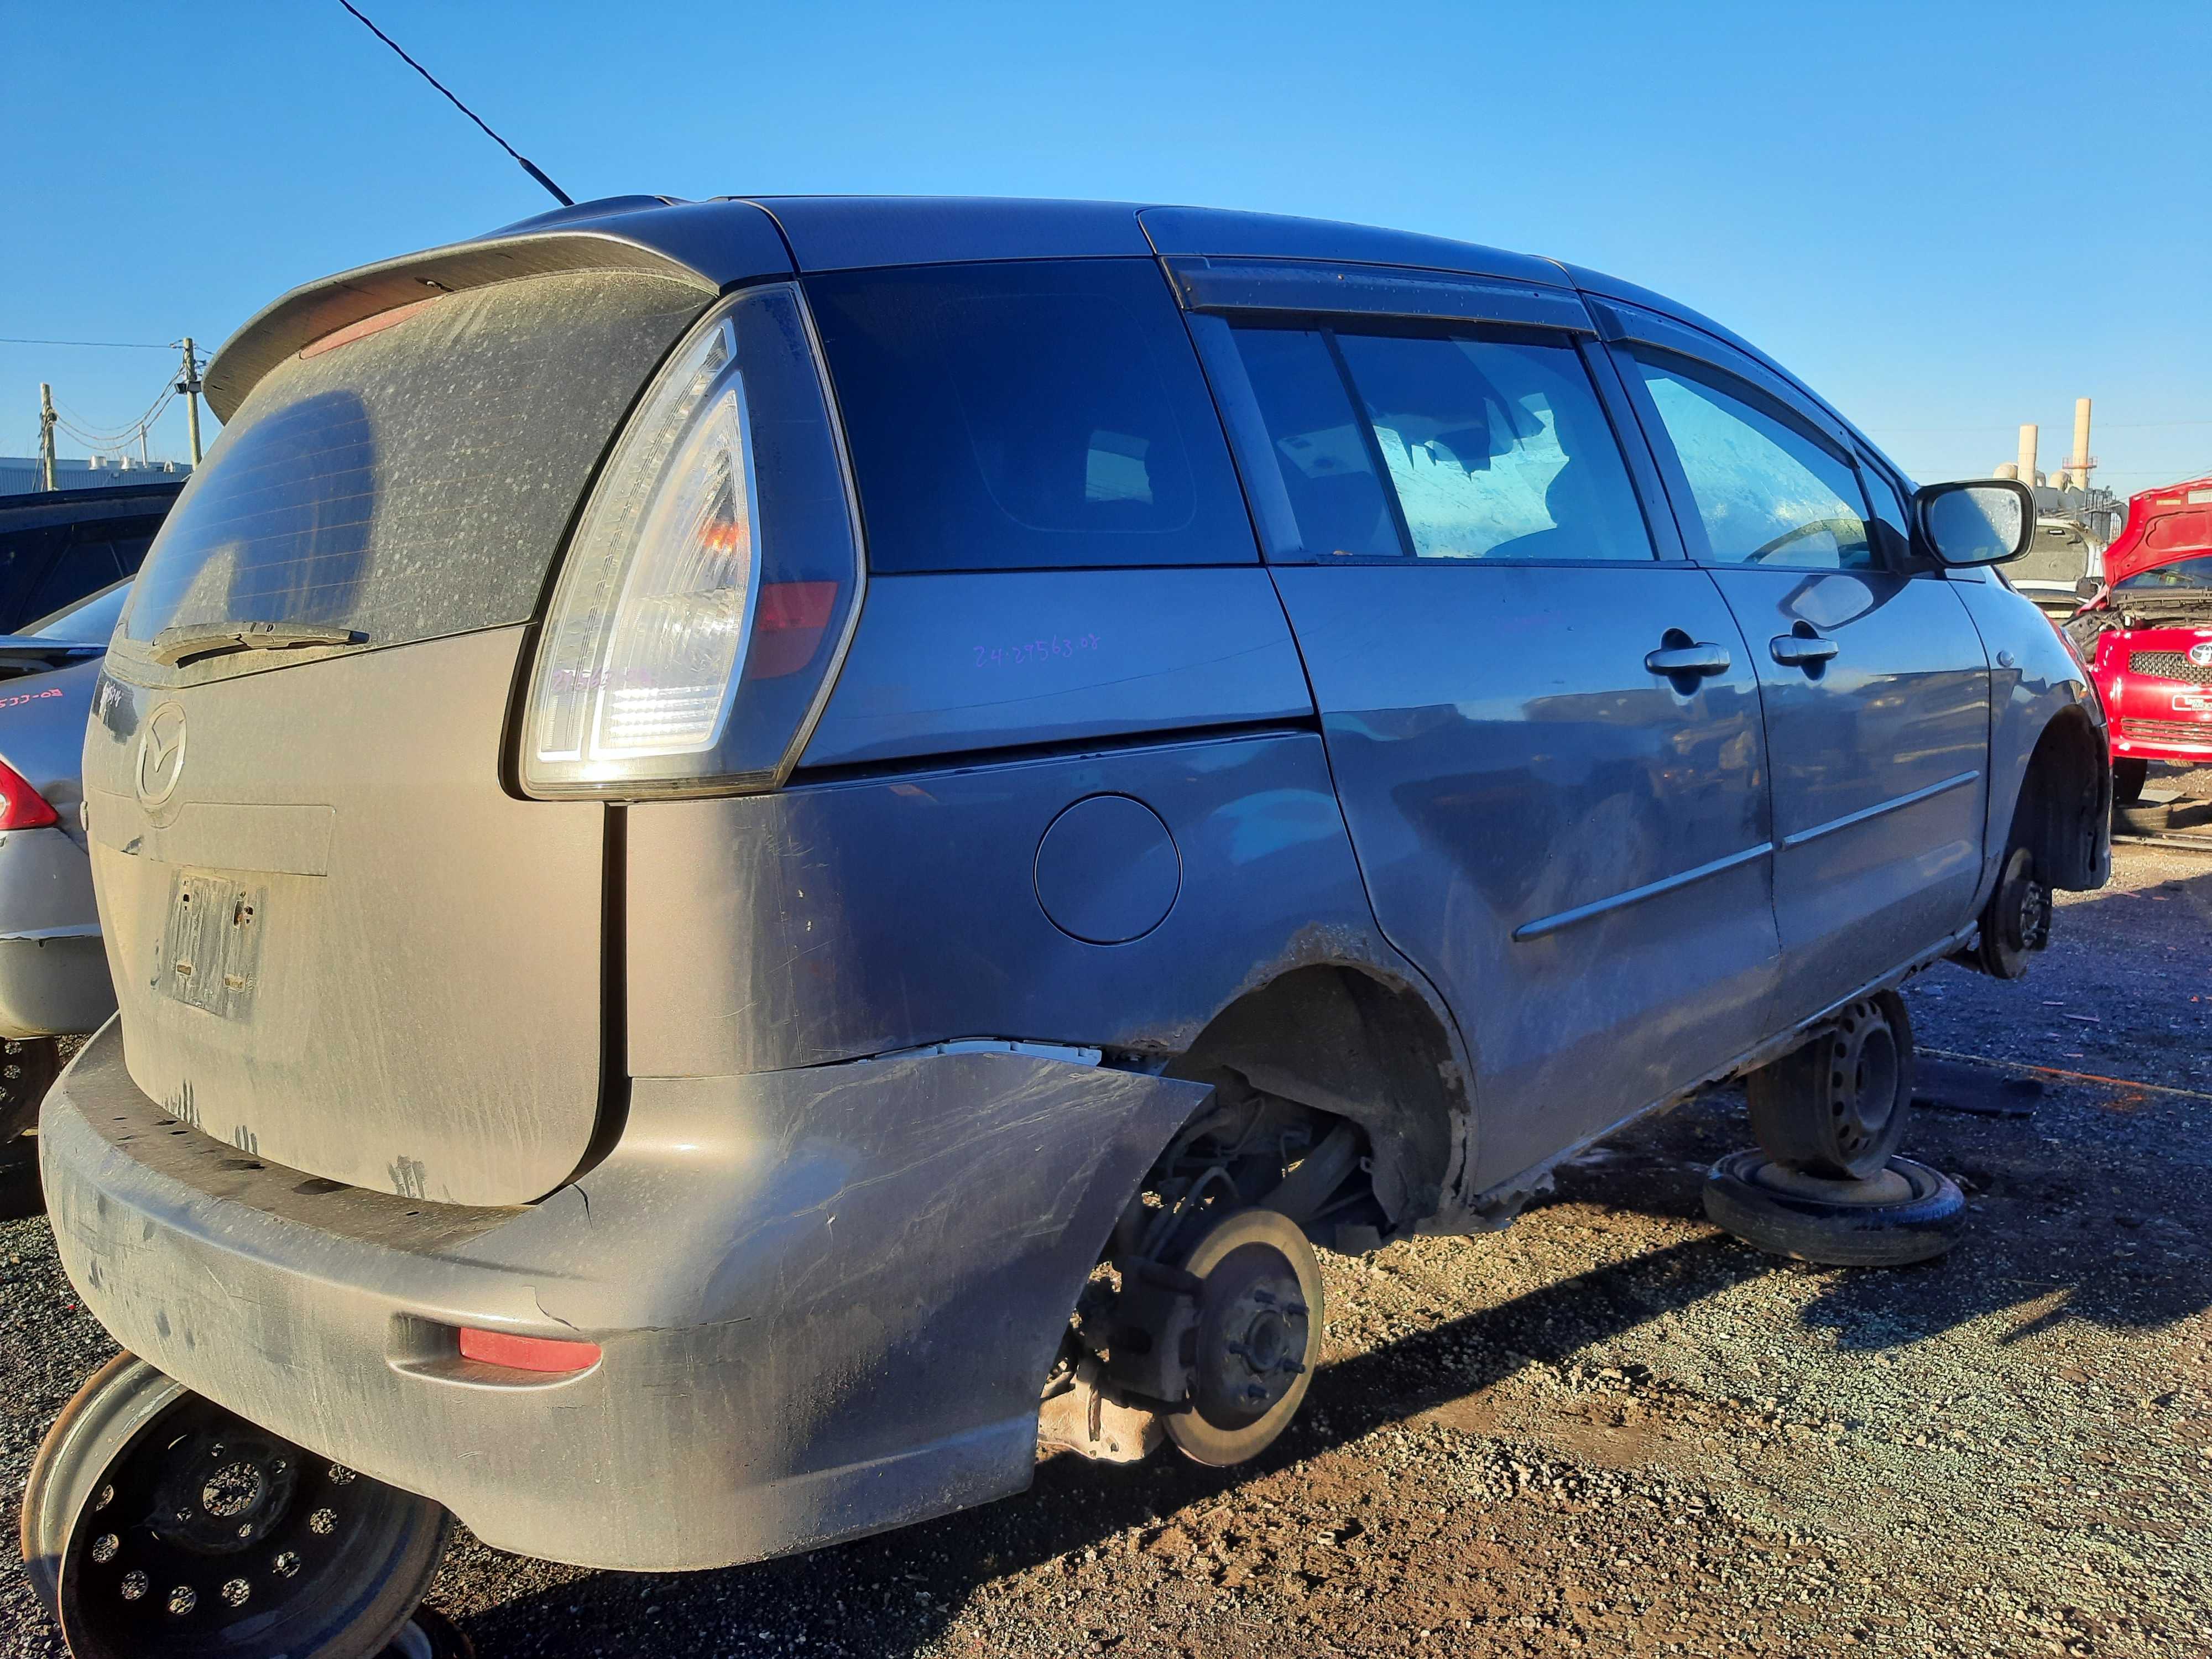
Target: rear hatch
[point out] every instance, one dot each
(340, 939)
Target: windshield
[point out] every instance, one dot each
(89, 622)
(2182, 576)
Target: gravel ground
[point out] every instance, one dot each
(1608, 1429)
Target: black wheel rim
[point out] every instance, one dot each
(210, 1537)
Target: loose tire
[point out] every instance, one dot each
(156, 1521)
(1837, 1107)
(28, 1067)
(1257, 1340)
(1908, 1213)
(2129, 777)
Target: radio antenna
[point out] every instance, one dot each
(528, 166)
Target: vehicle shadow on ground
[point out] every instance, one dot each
(2027, 1252)
(1075, 1505)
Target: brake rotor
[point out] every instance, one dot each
(1255, 1339)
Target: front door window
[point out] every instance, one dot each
(1767, 494)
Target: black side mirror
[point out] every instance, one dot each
(2088, 588)
(1985, 521)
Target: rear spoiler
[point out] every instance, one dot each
(708, 245)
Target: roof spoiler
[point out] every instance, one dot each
(308, 313)
(708, 245)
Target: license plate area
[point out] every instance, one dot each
(211, 947)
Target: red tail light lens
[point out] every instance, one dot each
(527, 1353)
(22, 807)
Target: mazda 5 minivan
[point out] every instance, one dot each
(749, 844)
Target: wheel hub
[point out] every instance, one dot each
(1251, 1334)
(224, 1490)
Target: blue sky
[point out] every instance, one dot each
(1944, 216)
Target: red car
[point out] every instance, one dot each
(2148, 634)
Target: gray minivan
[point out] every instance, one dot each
(746, 842)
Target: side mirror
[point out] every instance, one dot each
(2088, 588)
(1987, 521)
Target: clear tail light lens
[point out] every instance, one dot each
(712, 579)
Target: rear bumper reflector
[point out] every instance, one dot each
(527, 1353)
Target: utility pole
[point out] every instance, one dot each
(46, 419)
(190, 386)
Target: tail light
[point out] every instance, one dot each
(712, 579)
(22, 807)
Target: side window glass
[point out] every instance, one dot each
(1028, 416)
(1496, 449)
(1328, 471)
(1765, 493)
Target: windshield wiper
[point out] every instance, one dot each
(172, 646)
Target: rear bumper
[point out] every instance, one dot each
(826, 1299)
(53, 968)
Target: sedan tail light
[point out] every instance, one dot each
(712, 579)
(22, 807)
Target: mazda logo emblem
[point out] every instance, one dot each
(161, 754)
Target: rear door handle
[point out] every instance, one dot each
(1699, 658)
(1801, 650)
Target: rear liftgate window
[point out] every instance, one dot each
(1039, 415)
(411, 477)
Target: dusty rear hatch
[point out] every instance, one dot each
(339, 940)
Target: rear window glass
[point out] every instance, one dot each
(416, 480)
(89, 622)
(2059, 553)
(1024, 416)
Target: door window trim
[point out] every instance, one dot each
(1630, 356)
(1212, 332)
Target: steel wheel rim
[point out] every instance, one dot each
(196, 1544)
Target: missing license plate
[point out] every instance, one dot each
(211, 948)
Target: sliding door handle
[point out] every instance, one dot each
(1700, 659)
(1806, 650)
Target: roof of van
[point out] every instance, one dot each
(732, 239)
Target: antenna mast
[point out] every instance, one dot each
(528, 166)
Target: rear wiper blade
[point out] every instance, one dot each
(175, 645)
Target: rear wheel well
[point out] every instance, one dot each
(2065, 797)
(1341, 1044)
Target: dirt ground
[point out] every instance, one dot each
(1608, 1429)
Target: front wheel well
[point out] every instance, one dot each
(2065, 801)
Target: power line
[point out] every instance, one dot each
(528, 166)
(112, 346)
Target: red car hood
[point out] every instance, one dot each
(2163, 524)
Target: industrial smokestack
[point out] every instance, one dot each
(2079, 466)
(2027, 436)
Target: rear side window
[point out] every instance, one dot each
(1444, 446)
(413, 477)
(1028, 416)
(1767, 493)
